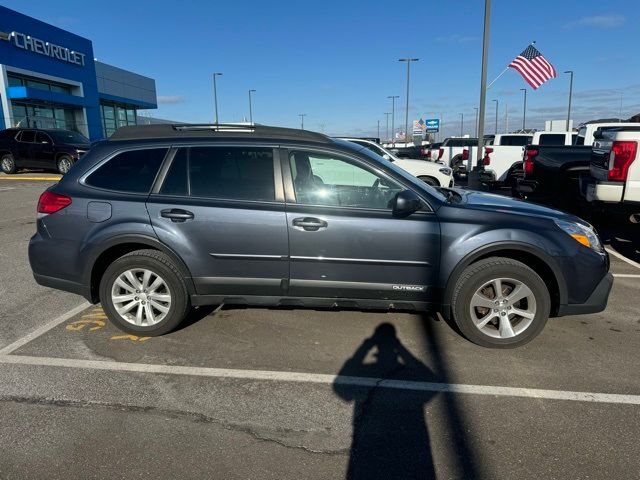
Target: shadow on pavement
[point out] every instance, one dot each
(390, 436)
(624, 239)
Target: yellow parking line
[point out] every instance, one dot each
(37, 179)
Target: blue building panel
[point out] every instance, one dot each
(31, 48)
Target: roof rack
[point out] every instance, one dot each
(218, 130)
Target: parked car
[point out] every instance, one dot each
(433, 174)
(50, 149)
(614, 180)
(417, 153)
(503, 157)
(431, 151)
(161, 218)
(451, 149)
(550, 169)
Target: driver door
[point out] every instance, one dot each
(344, 241)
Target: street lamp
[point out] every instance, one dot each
(461, 124)
(570, 72)
(476, 109)
(406, 113)
(250, 108)
(302, 115)
(393, 117)
(386, 114)
(524, 109)
(620, 114)
(215, 93)
(495, 100)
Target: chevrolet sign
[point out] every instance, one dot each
(27, 42)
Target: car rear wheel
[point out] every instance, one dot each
(64, 164)
(8, 164)
(430, 181)
(500, 303)
(144, 293)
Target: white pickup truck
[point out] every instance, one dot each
(433, 174)
(614, 180)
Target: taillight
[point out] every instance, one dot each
(486, 160)
(51, 202)
(620, 159)
(528, 161)
(465, 154)
(440, 153)
(428, 154)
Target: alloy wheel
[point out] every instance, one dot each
(503, 308)
(141, 297)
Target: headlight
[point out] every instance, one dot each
(582, 234)
(445, 171)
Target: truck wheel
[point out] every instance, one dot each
(430, 181)
(64, 164)
(143, 293)
(8, 164)
(500, 303)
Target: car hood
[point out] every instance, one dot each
(499, 203)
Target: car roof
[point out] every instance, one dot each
(215, 131)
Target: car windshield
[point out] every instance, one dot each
(67, 136)
(407, 176)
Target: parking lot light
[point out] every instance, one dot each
(393, 117)
(461, 124)
(524, 109)
(250, 107)
(570, 72)
(302, 115)
(496, 128)
(386, 114)
(476, 109)
(406, 113)
(215, 94)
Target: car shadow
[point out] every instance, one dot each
(390, 436)
(624, 238)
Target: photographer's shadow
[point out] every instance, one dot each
(390, 435)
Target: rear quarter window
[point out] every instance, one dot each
(133, 171)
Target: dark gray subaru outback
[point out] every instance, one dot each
(162, 218)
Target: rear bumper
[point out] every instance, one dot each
(601, 191)
(596, 302)
(527, 187)
(65, 285)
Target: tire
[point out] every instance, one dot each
(173, 288)
(477, 278)
(8, 164)
(430, 181)
(64, 164)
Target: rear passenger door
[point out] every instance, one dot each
(24, 146)
(221, 208)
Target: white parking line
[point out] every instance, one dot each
(626, 275)
(44, 329)
(622, 257)
(324, 379)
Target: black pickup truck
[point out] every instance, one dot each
(550, 174)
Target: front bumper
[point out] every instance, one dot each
(596, 302)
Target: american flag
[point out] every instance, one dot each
(533, 67)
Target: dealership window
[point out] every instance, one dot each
(115, 116)
(43, 116)
(38, 83)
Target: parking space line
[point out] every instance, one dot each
(324, 379)
(44, 329)
(31, 179)
(622, 257)
(626, 275)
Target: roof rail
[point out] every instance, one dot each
(219, 130)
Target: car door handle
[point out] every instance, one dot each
(310, 224)
(177, 214)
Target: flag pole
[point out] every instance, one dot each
(504, 71)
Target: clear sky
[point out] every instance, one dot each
(338, 61)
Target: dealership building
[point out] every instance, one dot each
(49, 78)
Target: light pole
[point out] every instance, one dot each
(506, 117)
(620, 114)
(393, 117)
(406, 113)
(524, 109)
(476, 109)
(461, 124)
(495, 100)
(302, 115)
(570, 72)
(378, 129)
(250, 107)
(215, 93)
(441, 125)
(386, 114)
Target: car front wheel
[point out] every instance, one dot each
(64, 164)
(144, 293)
(500, 303)
(8, 164)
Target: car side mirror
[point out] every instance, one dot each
(405, 203)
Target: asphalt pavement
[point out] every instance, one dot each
(293, 393)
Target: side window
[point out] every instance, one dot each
(132, 171)
(243, 173)
(515, 141)
(28, 136)
(176, 181)
(321, 179)
(552, 139)
(42, 137)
